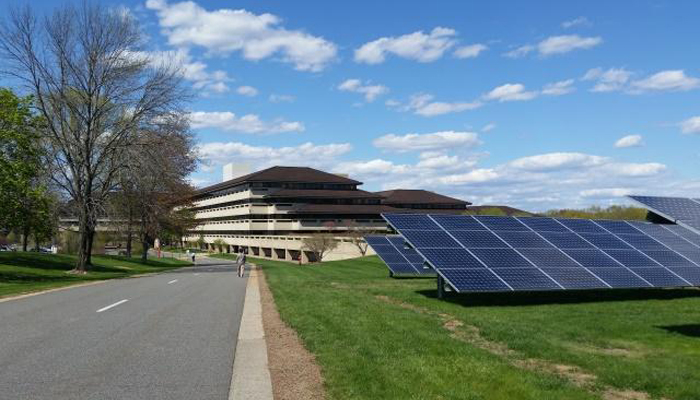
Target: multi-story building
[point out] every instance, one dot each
(268, 213)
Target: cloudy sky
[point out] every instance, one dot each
(537, 105)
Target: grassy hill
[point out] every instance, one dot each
(377, 337)
(28, 272)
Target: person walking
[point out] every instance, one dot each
(241, 264)
(192, 257)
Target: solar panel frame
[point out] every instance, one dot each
(673, 210)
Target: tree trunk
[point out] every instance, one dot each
(25, 237)
(129, 239)
(144, 255)
(86, 232)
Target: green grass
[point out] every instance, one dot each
(377, 337)
(30, 272)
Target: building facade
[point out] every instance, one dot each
(269, 213)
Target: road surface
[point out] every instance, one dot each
(168, 336)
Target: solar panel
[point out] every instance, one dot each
(681, 210)
(489, 253)
(399, 258)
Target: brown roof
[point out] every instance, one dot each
(364, 209)
(405, 196)
(341, 194)
(283, 174)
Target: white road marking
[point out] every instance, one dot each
(173, 281)
(112, 305)
(197, 274)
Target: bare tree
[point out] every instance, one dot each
(95, 89)
(356, 234)
(153, 186)
(320, 245)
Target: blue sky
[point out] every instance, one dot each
(538, 105)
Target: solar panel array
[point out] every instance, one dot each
(682, 210)
(489, 253)
(401, 259)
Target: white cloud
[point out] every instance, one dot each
(281, 98)
(566, 43)
(631, 169)
(371, 92)
(629, 141)
(249, 123)
(427, 141)
(192, 70)
(691, 125)
(580, 21)
(488, 127)
(606, 192)
(671, 80)
(423, 104)
(519, 52)
(607, 81)
(559, 88)
(480, 175)
(247, 91)
(510, 92)
(417, 46)
(307, 154)
(225, 31)
(471, 51)
(557, 161)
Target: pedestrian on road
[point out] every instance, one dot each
(192, 258)
(241, 264)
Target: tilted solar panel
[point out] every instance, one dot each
(681, 210)
(489, 253)
(401, 259)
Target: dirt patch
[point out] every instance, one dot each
(293, 369)
(608, 351)
(576, 376)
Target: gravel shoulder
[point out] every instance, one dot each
(294, 371)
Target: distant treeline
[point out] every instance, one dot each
(612, 212)
(596, 212)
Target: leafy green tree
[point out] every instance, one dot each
(25, 205)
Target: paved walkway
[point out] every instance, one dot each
(251, 375)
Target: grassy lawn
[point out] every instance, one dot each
(29, 272)
(377, 337)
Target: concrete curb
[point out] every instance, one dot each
(251, 375)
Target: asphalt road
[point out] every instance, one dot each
(173, 338)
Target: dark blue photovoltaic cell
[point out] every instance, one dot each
(675, 243)
(458, 222)
(398, 241)
(519, 239)
(659, 277)
(605, 241)
(566, 240)
(501, 258)
(686, 234)
(501, 223)
(400, 260)
(478, 239)
(581, 225)
(669, 258)
(618, 227)
(574, 278)
(692, 255)
(421, 239)
(632, 258)
(676, 207)
(642, 242)
(690, 274)
(548, 258)
(411, 221)
(474, 280)
(526, 279)
(593, 258)
(451, 258)
(650, 228)
(619, 277)
(540, 224)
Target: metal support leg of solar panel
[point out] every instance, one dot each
(440, 287)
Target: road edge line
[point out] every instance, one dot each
(58, 289)
(250, 378)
